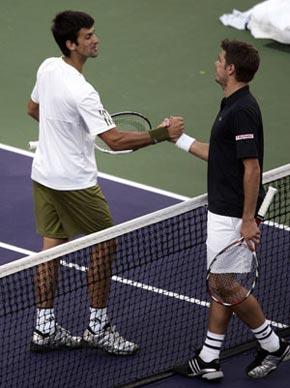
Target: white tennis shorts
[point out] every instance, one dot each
(221, 231)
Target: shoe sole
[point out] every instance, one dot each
(213, 375)
(207, 375)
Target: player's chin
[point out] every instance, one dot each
(217, 80)
(94, 53)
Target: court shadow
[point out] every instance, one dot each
(278, 46)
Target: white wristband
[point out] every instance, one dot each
(184, 142)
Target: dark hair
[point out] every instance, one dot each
(244, 56)
(66, 26)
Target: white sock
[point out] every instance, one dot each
(98, 318)
(45, 320)
(267, 338)
(212, 347)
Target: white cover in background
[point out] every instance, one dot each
(269, 20)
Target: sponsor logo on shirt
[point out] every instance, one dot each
(245, 136)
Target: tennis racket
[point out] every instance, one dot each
(234, 271)
(125, 121)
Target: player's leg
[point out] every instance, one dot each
(99, 282)
(221, 230)
(206, 362)
(46, 276)
(47, 334)
(88, 213)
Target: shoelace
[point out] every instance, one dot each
(112, 332)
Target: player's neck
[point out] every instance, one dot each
(76, 61)
(232, 87)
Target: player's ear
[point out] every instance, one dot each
(231, 69)
(71, 45)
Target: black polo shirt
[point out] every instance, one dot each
(237, 134)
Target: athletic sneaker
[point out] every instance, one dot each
(266, 362)
(109, 340)
(198, 367)
(59, 339)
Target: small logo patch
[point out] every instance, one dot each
(245, 136)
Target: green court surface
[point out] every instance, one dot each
(157, 57)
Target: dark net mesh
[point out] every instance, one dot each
(157, 299)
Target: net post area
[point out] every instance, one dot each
(151, 272)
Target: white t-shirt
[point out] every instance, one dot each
(71, 114)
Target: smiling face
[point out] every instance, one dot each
(87, 44)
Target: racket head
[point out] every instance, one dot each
(131, 121)
(128, 121)
(232, 274)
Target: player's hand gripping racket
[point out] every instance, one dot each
(125, 121)
(233, 273)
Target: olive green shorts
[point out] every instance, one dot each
(66, 214)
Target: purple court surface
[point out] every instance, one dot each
(18, 238)
(17, 220)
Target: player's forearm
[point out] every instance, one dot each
(251, 188)
(125, 140)
(190, 144)
(200, 150)
(130, 141)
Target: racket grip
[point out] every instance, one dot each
(266, 203)
(32, 145)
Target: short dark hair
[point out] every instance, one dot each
(244, 56)
(66, 26)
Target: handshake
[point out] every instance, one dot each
(175, 127)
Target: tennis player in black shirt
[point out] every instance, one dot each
(235, 163)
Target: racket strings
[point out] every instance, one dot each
(232, 275)
(125, 122)
(131, 124)
(229, 288)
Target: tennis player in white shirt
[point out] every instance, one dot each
(68, 200)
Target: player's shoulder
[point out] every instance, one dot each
(84, 90)
(247, 104)
(47, 63)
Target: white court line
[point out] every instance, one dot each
(133, 283)
(146, 287)
(117, 278)
(108, 176)
(14, 248)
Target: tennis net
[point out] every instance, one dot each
(157, 297)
